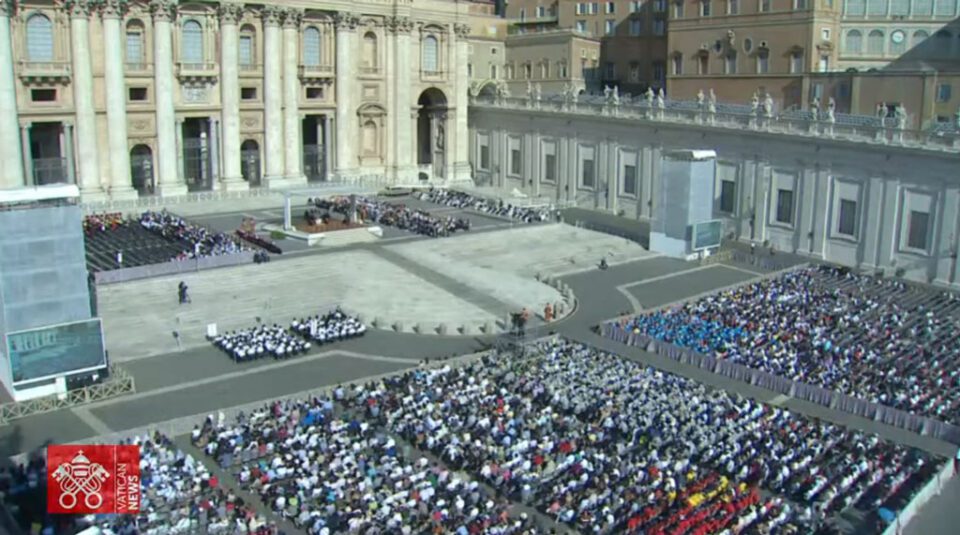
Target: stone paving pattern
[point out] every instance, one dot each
(189, 383)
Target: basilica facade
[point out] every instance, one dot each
(139, 98)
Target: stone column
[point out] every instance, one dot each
(291, 98)
(403, 128)
(11, 172)
(68, 152)
(213, 129)
(232, 176)
(326, 147)
(458, 151)
(121, 186)
(87, 155)
(273, 95)
(346, 24)
(27, 164)
(169, 146)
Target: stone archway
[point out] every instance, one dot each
(141, 169)
(488, 91)
(432, 131)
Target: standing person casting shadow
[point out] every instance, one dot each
(603, 264)
(182, 293)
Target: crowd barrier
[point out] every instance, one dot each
(931, 489)
(796, 389)
(173, 267)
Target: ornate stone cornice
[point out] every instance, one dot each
(163, 10)
(292, 17)
(230, 13)
(113, 9)
(7, 8)
(399, 24)
(272, 15)
(462, 30)
(80, 9)
(344, 20)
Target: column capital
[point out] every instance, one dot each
(163, 10)
(7, 8)
(345, 21)
(462, 30)
(399, 24)
(80, 9)
(292, 17)
(272, 15)
(230, 13)
(113, 9)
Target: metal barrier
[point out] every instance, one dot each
(118, 384)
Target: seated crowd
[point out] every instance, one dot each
(246, 345)
(198, 241)
(459, 199)
(872, 338)
(394, 215)
(95, 223)
(178, 496)
(333, 326)
(608, 446)
(334, 473)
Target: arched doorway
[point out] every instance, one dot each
(431, 131)
(250, 162)
(141, 169)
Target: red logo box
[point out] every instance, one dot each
(93, 479)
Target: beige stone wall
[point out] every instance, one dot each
(543, 57)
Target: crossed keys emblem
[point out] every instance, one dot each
(80, 476)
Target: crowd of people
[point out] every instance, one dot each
(393, 215)
(246, 345)
(873, 338)
(333, 326)
(317, 464)
(198, 241)
(608, 446)
(459, 199)
(95, 223)
(178, 496)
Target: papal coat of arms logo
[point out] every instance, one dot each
(93, 479)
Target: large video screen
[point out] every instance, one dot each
(46, 352)
(707, 235)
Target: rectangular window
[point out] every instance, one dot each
(580, 8)
(586, 179)
(728, 196)
(817, 91)
(630, 179)
(825, 34)
(733, 7)
(763, 62)
(824, 64)
(796, 63)
(470, 70)
(550, 168)
(493, 72)
(541, 12)
(764, 6)
(944, 92)
(704, 8)
(610, 70)
(634, 72)
(636, 26)
(801, 4)
(137, 94)
(659, 5)
(516, 163)
(595, 8)
(659, 72)
(582, 26)
(609, 26)
(917, 230)
(246, 50)
(659, 26)
(634, 6)
(677, 65)
(134, 47)
(785, 206)
(43, 95)
(523, 14)
(678, 10)
(314, 93)
(484, 157)
(847, 221)
(611, 8)
(248, 93)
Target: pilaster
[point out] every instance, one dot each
(461, 83)
(403, 133)
(88, 158)
(169, 147)
(346, 26)
(231, 177)
(292, 126)
(273, 153)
